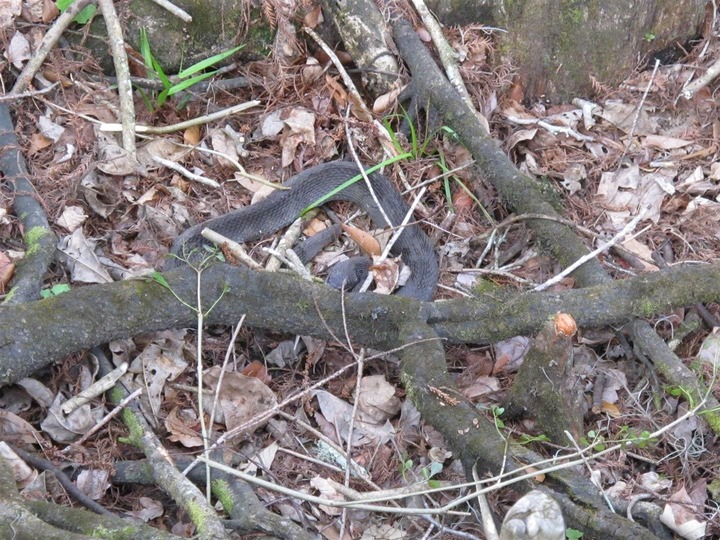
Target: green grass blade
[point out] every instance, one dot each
(157, 68)
(204, 64)
(145, 49)
(175, 88)
(352, 180)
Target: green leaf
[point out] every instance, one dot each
(350, 182)
(175, 88)
(162, 98)
(204, 64)
(573, 534)
(55, 290)
(435, 468)
(393, 136)
(146, 99)
(157, 68)
(145, 49)
(160, 279)
(85, 14)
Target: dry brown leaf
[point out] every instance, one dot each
(223, 143)
(664, 143)
(365, 241)
(462, 201)
(423, 34)
(72, 217)
(377, 401)
(482, 386)
(7, 268)
(192, 135)
(510, 353)
(327, 491)
(149, 509)
(16, 430)
(93, 483)
(241, 398)
(38, 142)
(49, 11)
(312, 70)
(386, 101)
(611, 409)
(315, 226)
(258, 370)
(18, 51)
(313, 17)
(387, 275)
(338, 93)
(678, 516)
(181, 427)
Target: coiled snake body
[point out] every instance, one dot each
(282, 207)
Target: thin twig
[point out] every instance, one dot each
(487, 518)
(637, 114)
(29, 93)
(172, 8)
(359, 360)
(593, 477)
(289, 239)
(200, 120)
(218, 386)
(236, 250)
(448, 56)
(122, 71)
(235, 163)
(265, 415)
(352, 89)
(95, 389)
(594, 253)
(321, 500)
(292, 261)
(183, 171)
(356, 159)
(398, 231)
(109, 416)
(49, 40)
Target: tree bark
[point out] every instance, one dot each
(560, 48)
(35, 334)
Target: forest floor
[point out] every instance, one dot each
(637, 147)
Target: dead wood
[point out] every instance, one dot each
(39, 519)
(546, 389)
(477, 441)
(35, 334)
(39, 239)
(523, 195)
(248, 515)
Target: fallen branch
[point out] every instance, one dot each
(40, 241)
(35, 334)
(524, 195)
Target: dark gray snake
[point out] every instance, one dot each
(282, 207)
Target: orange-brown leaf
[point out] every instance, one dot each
(365, 241)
